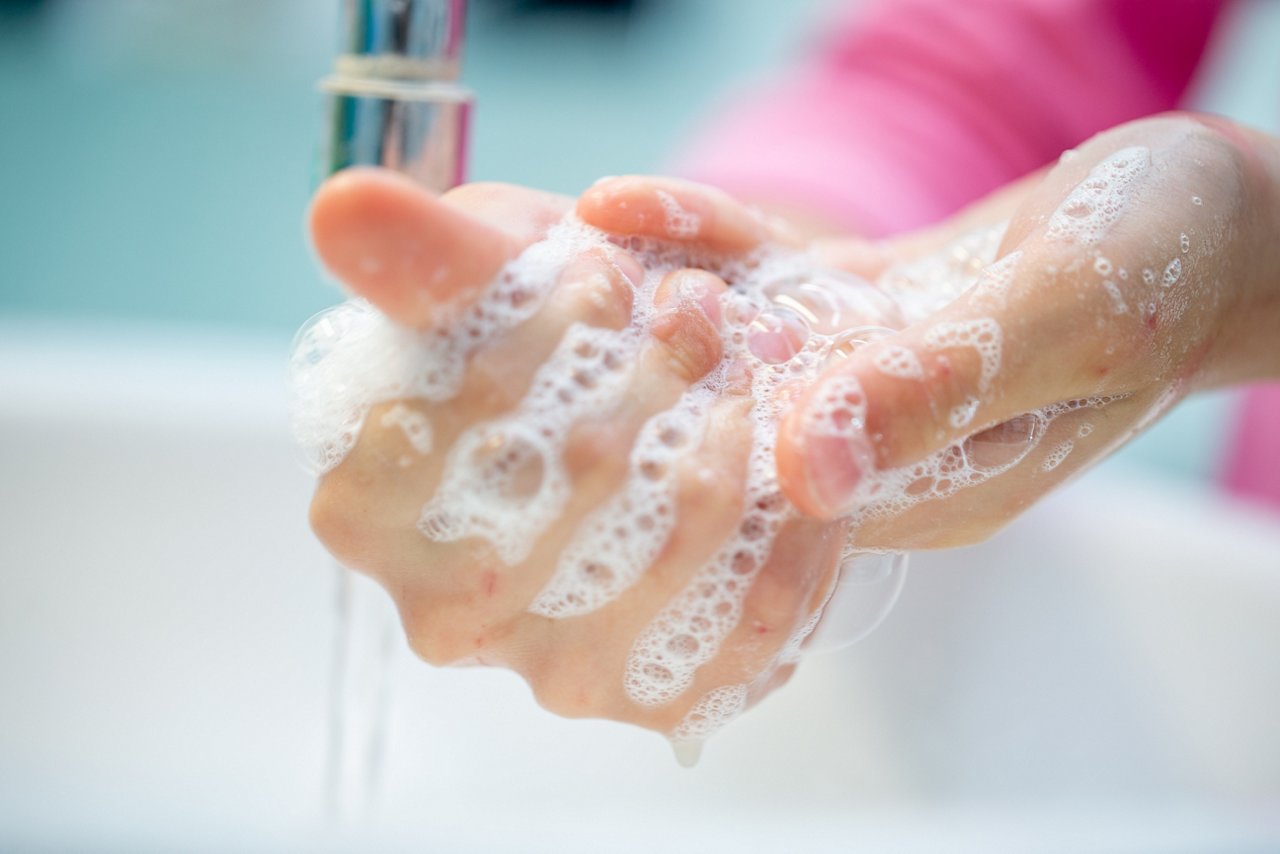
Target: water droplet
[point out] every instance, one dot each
(868, 587)
(830, 301)
(687, 752)
(1077, 208)
(776, 335)
(850, 341)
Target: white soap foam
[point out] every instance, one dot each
(923, 285)
(505, 479)
(897, 361)
(713, 711)
(415, 426)
(982, 334)
(690, 630)
(995, 280)
(1057, 455)
(681, 224)
(961, 415)
(1094, 205)
(350, 357)
(1118, 304)
(616, 544)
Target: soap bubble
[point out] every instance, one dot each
(869, 584)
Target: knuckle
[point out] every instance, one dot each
(328, 517)
(596, 446)
(489, 385)
(594, 291)
(702, 486)
(435, 646)
(565, 684)
(338, 522)
(775, 603)
(439, 632)
(1218, 152)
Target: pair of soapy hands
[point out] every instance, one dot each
(1078, 320)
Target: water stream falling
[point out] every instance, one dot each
(365, 646)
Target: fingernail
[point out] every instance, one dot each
(689, 287)
(630, 267)
(835, 468)
(709, 303)
(837, 452)
(698, 290)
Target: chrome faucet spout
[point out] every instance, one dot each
(395, 100)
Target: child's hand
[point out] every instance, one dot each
(1140, 268)
(411, 254)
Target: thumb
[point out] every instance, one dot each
(993, 354)
(410, 252)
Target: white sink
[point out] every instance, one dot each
(1104, 676)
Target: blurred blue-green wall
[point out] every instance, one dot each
(156, 155)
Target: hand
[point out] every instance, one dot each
(415, 257)
(1140, 268)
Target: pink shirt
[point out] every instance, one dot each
(909, 109)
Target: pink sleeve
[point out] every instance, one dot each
(910, 109)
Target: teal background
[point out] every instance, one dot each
(156, 156)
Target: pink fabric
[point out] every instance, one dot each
(1253, 459)
(909, 109)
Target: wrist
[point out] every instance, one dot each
(1250, 330)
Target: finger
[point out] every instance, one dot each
(366, 509)
(577, 671)
(688, 321)
(409, 252)
(791, 587)
(671, 209)
(592, 465)
(595, 289)
(580, 567)
(1021, 461)
(684, 347)
(980, 361)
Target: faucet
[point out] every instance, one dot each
(393, 101)
(394, 96)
